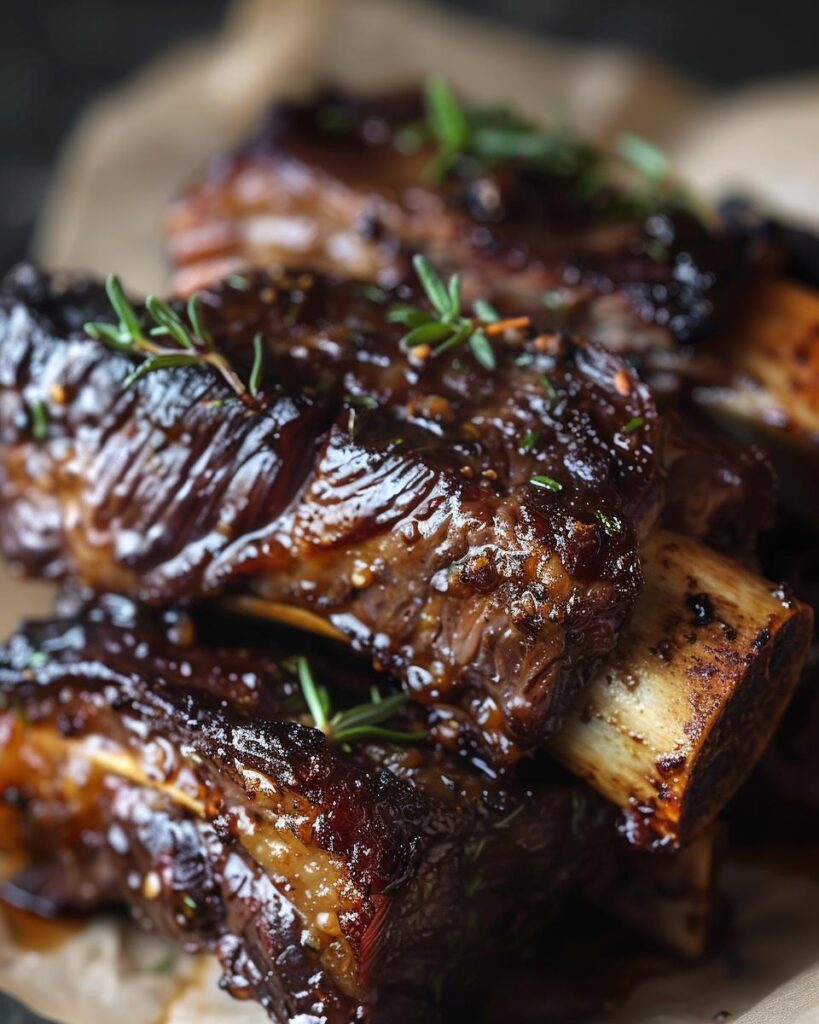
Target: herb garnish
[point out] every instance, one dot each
(362, 401)
(611, 524)
(190, 908)
(194, 345)
(540, 480)
(529, 442)
(451, 327)
(478, 137)
(493, 134)
(36, 659)
(357, 723)
(239, 282)
(633, 424)
(550, 388)
(644, 157)
(372, 293)
(39, 420)
(254, 381)
(554, 298)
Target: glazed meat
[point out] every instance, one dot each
(350, 186)
(716, 489)
(351, 881)
(475, 531)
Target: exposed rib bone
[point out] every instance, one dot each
(673, 722)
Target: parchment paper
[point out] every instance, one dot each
(128, 155)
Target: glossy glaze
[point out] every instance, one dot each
(177, 776)
(330, 184)
(389, 494)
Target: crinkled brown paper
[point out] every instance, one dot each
(127, 156)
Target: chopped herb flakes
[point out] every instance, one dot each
(611, 524)
(39, 420)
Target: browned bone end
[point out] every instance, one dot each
(703, 672)
(675, 720)
(760, 379)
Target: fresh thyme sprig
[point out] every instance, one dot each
(193, 346)
(493, 134)
(448, 327)
(361, 722)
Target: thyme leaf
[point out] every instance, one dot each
(316, 696)
(541, 480)
(362, 401)
(160, 362)
(482, 350)
(445, 115)
(409, 316)
(239, 282)
(550, 388)
(644, 156)
(195, 317)
(529, 442)
(431, 331)
(38, 412)
(486, 311)
(254, 381)
(438, 294)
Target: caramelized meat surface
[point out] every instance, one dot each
(352, 883)
(339, 185)
(717, 490)
(475, 531)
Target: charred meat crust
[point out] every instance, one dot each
(329, 184)
(389, 495)
(355, 877)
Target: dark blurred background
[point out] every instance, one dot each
(55, 54)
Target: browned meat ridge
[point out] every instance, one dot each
(154, 768)
(489, 597)
(333, 185)
(475, 531)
